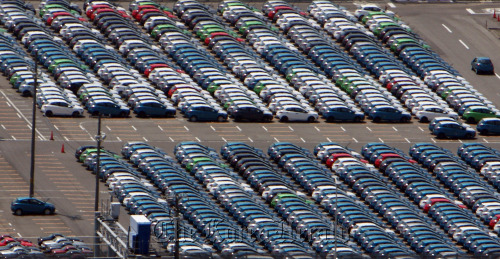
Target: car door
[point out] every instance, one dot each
(35, 206)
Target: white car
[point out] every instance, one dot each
(296, 113)
(61, 108)
(430, 112)
(365, 9)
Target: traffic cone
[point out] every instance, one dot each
(494, 13)
(51, 135)
(62, 148)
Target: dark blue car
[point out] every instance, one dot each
(27, 205)
(482, 65)
(205, 113)
(489, 126)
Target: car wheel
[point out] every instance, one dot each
(19, 212)
(47, 211)
(221, 119)
(471, 120)
(284, 119)
(376, 119)
(441, 135)
(424, 119)
(484, 132)
(193, 118)
(75, 114)
(330, 119)
(49, 113)
(26, 93)
(311, 119)
(142, 114)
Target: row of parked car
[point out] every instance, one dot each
(431, 198)
(55, 245)
(142, 197)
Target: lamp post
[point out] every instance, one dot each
(33, 128)
(335, 226)
(173, 199)
(99, 138)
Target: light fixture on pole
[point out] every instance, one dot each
(99, 138)
(174, 202)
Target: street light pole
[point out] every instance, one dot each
(33, 127)
(335, 226)
(174, 202)
(99, 139)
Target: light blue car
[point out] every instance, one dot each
(450, 129)
(489, 126)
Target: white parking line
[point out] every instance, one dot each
(407, 140)
(498, 76)
(355, 140)
(465, 45)
(19, 234)
(470, 11)
(3, 127)
(238, 128)
(133, 127)
(303, 140)
(317, 128)
(171, 139)
(275, 139)
(420, 128)
(290, 127)
(485, 140)
(119, 139)
(391, 5)
(460, 141)
(224, 139)
(368, 129)
(197, 139)
(145, 139)
(19, 115)
(14, 138)
(446, 27)
(55, 126)
(107, 127)
(8, 104)
(66, 138)
(160, 127)
(381, 140)
(329, 140)
(342, 128)
(264, 128)
(433, 140)
(250, 139)
(187, 129)
(23, 117)
(394, 128)
(212, 127)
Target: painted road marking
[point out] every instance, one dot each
(407, 140)
(394, 128)
(197, 139)
(160, 127)
(420, 128)
(465, 45)
(342, 128)
(381, 140)
(264, 128)
(20, 114)
(238, 128)
(317, 128)
(303, 140)
(446, 27)
(391, 5)
(212, 127)
(187, 129)
(368, 128)
(470, 11)
(498, 76)
(290, 127)
(133, 127)
(250, 139)
(355, 140)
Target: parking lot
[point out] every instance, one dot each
(457, 32)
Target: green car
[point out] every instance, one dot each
(280, 197)
(476, 113)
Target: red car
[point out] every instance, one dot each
(334, 157)
(5, 241)
(383, 157)
(152, 67)
(494, 221)
(56, 14)
(95, 7)
(427, 207)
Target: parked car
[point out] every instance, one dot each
(205, 113)
(27, 205)
(489, 126)
(482, 65)
(450, 129)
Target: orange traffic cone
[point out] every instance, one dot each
(62, 148)
(494, 13)
(51, 135)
